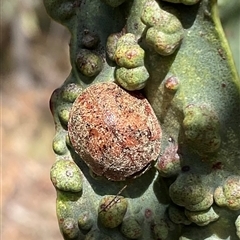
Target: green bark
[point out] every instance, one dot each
(176, 54)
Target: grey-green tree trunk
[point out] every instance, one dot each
(176, 54)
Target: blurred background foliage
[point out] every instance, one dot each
(34, 61)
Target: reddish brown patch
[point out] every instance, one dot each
(148, 213)
(131, 53)
(116, 133)
(217, 166)
(172, 83)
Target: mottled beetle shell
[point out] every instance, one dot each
(115, 132)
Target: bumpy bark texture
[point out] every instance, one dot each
(176, 175)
